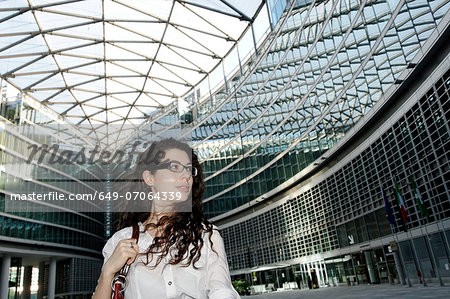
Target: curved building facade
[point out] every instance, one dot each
(334, 109)
(322, 128)
(328, 65)
(334, 219)
(46, 247)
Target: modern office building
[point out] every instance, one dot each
(345, 103)
(322, 128)
(44, 248)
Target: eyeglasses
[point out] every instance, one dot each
(177, 167)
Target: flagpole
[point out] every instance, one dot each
(421, 224)
(438, 272)
(394, 229)
(410, 238)
(441, 283)
(405, 271)
(432, 208)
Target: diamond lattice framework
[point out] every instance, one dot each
(115, 61)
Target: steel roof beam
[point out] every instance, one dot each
(244, 16)
(240, 17)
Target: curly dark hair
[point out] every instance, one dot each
(181, 229)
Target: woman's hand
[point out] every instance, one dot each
(123, 253)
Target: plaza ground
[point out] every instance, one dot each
(367, 291)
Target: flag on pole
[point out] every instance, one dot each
(389, 215)
(418, 197)
(401, 203)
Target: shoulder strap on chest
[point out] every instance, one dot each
(136, 232)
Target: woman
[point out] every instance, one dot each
(179, 253)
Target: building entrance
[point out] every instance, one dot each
(372, 266)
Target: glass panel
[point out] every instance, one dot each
(383, 224)
(409, 261)
(372, 227)
(361, 230)
(424, 258)
(440, 254)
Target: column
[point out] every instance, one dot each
(51, 279)
(308, 274)
(318, 272)
(27, 272)
(278, 279)
(320, 278)
(302, 269)
(40, 291)
(324, 282)
(4, 276)
(370, 268)
(326, 272)
(398, 266)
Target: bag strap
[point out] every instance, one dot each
(120, 282)
(136, 232)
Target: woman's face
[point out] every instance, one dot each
(168, 185)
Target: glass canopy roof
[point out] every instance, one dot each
(116, 61)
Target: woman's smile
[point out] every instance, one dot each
(184, 188)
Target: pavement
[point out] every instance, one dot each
(361, 291)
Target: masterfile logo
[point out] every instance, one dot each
(80, 157)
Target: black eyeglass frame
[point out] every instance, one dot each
(166, 165)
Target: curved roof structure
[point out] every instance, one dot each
(269, 117)
(116, 61)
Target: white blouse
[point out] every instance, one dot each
(210, 280)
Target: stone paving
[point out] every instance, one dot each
(368, 291)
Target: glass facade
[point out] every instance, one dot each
(84, 230)
(291, 85)
(308, 86)
(344, 206)
(59, 85)
(80, 233)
